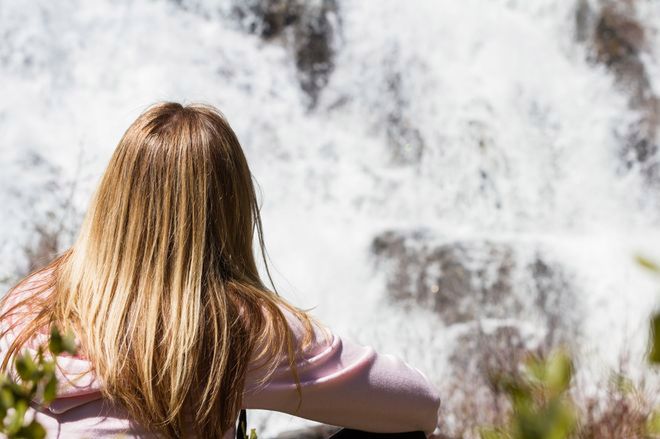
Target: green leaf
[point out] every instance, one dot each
(536, 369)
(19, 392)
(59, 343)
(50, 389)
(34, 430)
(564, 421)
(17, 418)
(48, 368)
(559, 371)
(6, 402)
(253, 433)
(653, 423)
(654, 342)
(26, 367)
(6, 397)
(647, 263)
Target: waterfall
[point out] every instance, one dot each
(433, 173)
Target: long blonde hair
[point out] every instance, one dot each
(161, 286)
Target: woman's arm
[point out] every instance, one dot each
(349, 385)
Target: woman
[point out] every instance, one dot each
(176, 330)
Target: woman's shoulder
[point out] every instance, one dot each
(306, 327)
(348, 384)
(309, 336)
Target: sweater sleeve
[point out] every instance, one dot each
(348, 385)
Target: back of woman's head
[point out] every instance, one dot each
(161, 286)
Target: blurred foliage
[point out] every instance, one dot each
(253, 434)
(653, 425)
(541, 405)
(37, 381)
(538, 395)
(654, 338)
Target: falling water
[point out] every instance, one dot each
(425, 167)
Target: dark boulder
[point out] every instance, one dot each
(404, 139)
(310, 29)
(468, 281)
(617, 39)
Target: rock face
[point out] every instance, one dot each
(617, 39)
(310, 29)
(268, 18)
(446, 278)
(468, 282)
(404, 140)
(484, 355)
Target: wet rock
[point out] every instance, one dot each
(309, 28)
(447, 278)
(484, 355)
(555, 300)
(404, 140)
(315, 50)
(481, 358)
(268, 18)
(505, 302)
(618, 40)
(468, 281)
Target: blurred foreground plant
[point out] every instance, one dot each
(541, 406)
(253, 433)
(37, 381)
(654, 339)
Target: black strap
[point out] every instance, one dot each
(241, 431)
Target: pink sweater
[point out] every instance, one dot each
(343, 384)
